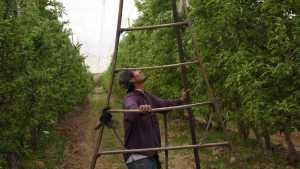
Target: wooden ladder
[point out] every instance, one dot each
(177, 25)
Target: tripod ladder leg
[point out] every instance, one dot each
(115, 54)
(185, 82)
(114, 60)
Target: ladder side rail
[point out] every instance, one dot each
(114, 61)
(115, 54)
(185, 82)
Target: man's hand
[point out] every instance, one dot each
(184, 97)
(145, 108)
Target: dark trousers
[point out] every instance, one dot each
(145, 163)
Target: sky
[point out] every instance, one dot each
(93, 23)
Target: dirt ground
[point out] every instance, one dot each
(78, 149)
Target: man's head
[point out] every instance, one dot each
(130, 79)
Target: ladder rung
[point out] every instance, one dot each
(158, 67)
(163, 108)
(185, 23)
(221, 144)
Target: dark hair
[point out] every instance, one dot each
(124, 80)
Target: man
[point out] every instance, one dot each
(142, 129)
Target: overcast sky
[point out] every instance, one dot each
(93, 23)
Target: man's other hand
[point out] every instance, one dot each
(106, 117)
(145, 108)
(184, 97)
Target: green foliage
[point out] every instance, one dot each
(253, 54)
(42, 73)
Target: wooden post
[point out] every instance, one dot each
(166, 139)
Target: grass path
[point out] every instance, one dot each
(79, 129)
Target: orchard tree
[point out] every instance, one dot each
(42, 74)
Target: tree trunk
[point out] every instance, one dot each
(183, 7)
(258, 137)
(267, 139)
(11, 8)
(12, 161)
(244, 130)
(34, 139)
(293, 155)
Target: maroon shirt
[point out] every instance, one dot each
(142, 129)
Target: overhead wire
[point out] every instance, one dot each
(102, 22)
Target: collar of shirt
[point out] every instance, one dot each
(140, 91)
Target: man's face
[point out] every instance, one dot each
(138, 76)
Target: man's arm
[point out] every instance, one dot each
(171, 102)
(130, 103)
